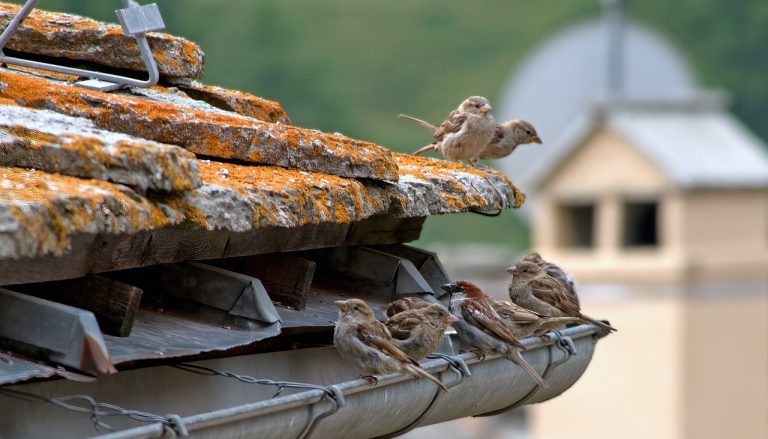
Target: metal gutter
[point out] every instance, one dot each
(399, 402)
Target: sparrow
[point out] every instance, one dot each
(556, 272)
(419, 332)
(534, 289)
(482, 329)
(367, 344)
(522, 322)
(508, 136)
(464, 133)
(404, 304)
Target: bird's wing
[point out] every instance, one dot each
(376, 335)
(482, 316)
(451, 125)
(549, 290)
(401, 325)
(516, 313)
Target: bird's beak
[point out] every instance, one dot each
(452, 318)
(512, 269)
(342, 304)
(534, 139)
(450, 288)
(485, 109)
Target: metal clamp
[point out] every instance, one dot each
(336, 397)
(135, 20)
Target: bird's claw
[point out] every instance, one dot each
(372, 380)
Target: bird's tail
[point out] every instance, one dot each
(418, 371)
(557, 322)
(418, 121)
(424, 149)
(514, 356)
(598, 323)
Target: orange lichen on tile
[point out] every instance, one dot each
(460, 187)
(40, 212)
(61, 144)
(293, 198)
(211, 133)
(237, 101)
(70, 36)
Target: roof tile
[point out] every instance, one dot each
(73, 37)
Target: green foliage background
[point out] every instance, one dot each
(351, 66)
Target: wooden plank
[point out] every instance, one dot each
(287, 278)
(53, 331)
(113, 303)
(109, 252)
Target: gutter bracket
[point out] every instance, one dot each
(135, 20)
(565, 345)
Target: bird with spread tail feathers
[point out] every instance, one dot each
(482, 328)
(367, 344)
(419, 331)
(507, 137)
(464, 133)
(532, 288)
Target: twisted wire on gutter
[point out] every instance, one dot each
(172, 424)
(332, 393)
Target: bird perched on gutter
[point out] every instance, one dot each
(523, 322)
(464, 133)
(531, 287)
(482, 329)
(404, 304)
(367, 344)
(552, 270)
(419, 332)
(507, 137)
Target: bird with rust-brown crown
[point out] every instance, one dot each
(464, 133)
(481, 327)
(367, 344)
(547, 289)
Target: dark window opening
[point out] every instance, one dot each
(641, 224)
(576, 228)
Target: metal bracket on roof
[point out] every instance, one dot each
(136, 21)
(56, 332)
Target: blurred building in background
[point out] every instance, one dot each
(660, 210)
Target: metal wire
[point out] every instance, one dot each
(98, 410)
(502, 202)
(331, 393)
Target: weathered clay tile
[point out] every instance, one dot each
(67, 145)
(40, 213)
(202, 128)
(237, 101)
(70, 36)
(430, 186)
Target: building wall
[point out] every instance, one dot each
(631, 390)
(690, 359)
(608, 170)
(725, 376)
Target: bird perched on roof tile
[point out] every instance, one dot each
(419, 332)
(464, 133)
(531, 287)
(404, 304)
(482, 329)
(507, 137)
(367, 344)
